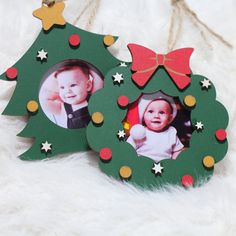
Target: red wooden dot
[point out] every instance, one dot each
(187, 180)
(123, 101)
(221, 134)
(105, 154)
(74, 40)
(12, 73)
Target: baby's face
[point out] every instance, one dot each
(73, 85)
(158, 115)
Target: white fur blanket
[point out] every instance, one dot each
(69, 195)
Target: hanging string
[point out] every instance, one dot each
(176, 16)
(92, 15)
(51, 2)
(180, 8)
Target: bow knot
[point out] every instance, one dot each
(160, 59)
(145, 63)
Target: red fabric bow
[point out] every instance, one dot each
(145, 63)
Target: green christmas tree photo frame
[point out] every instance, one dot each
(57, 42)
(150, 73)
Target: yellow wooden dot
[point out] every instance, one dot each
(125, 172)
(32, 106)
(208, 161)
(126, 125)
(108, 40)
(190, 101)
(97, 117)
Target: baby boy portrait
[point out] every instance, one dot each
(64, 97)
(154, 136)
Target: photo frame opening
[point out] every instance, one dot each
(159, 126)
(65, 91)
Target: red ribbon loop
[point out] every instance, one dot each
(145, 63)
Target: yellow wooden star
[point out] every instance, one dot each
(51, 15)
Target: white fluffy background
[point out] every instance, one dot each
(68, 195)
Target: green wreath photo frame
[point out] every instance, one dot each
(107, 132)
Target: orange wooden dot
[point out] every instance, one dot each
(126, 125)
(190, 101)
(105, 154)
(97, 117)
(125, 172)
(208, 161)
(123, 101)
(187, 181)
(12, 73)
(108, 40)
(32, 106)
(221, 134)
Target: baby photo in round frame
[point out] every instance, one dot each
(65, 92)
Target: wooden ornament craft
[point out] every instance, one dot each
(205, 141)
(37, 77)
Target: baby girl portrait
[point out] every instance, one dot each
(64, 94)
(154, 135)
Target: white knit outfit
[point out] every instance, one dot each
(158, 145)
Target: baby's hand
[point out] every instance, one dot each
(138, 134)
(51, 95)
(51, 101)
